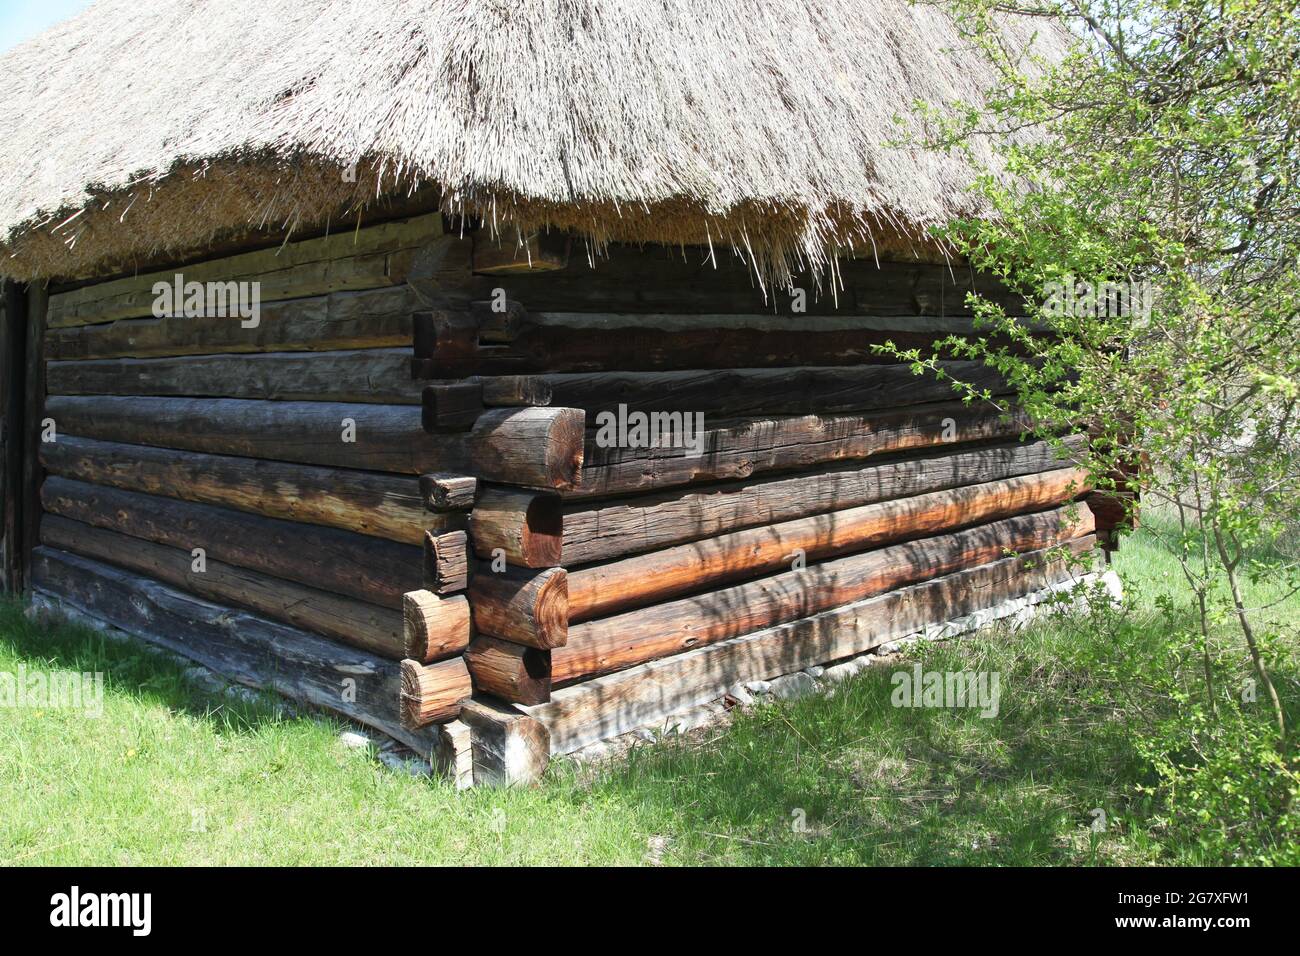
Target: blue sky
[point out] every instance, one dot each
(22, 19)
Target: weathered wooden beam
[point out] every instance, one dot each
(511, 672)
(381, 255)
(383, 506)
(584, 713)
(661, 575)
(343, 320)
(434, 626)
(529, 446)
(446, 561)
(432, 693)
(498, 321)
(443, 492)
(522, 606)
(623, 640)
(524, 527)
(360, 624)
(508, 747)
(606, 530)
(745, 391)
(737, 450)
(451, 406)
(370, 376)
(369, 569)
(238, 645)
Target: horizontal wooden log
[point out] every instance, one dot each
(382, 506)
(443, 492)
(601, 531)
(381, 255)
(746, 391)
(584, 713)
(702, 565)
(241, 646)
(528, 446)
(434, 626)
(511, 672)
(432, 693)
(451, 406)
(372, 376)
(508, 747)
(344, 320)
(369, 569)
(738, 449)
(446, 562)
(525, 607)
(623, 640)
(524, 527)
(372, 628)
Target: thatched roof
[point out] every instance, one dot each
(147, 127)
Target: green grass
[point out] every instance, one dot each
(875, 784)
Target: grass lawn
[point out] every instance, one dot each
(171, 774)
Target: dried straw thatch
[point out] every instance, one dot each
(147, 127)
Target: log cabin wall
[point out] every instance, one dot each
(400, 492)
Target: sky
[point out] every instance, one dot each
(22, 19)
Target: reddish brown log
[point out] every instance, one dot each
(525, 607)
(432, 693)
(521, 675)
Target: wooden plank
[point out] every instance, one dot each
(524, 527)
(529, 446)
(239, 645)
(344, 320)
(522, 606)
(509, 671)
(36, 415)
(623, 640)
(582, 714)
(702, 565)
(508, 747)
(381, 255)
(736, 450)
(601, 531)
(369, 569)
(382, 506)
(367, 626)
(742, 391)
(433, 693)
(376, 376)
(434, 626)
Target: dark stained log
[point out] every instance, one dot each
(372, 628)
(443, 492)
(600, 531)
(747, 391)
(526, 527)
(498, 320)
(371, 376)
(433, 693)
(660, 575)
(369, 569)
(584, 713)
(739, 449)
(434, 627)
(508, 747)
(525, 607)
(613, 643)
(36, 416)
(343, 320)
(13, 355)
(451, 406)
(511, 672)
(241, 646)
(383, 506)
(531, 446)
(446, 561)
(513, 254)
(386, 254)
